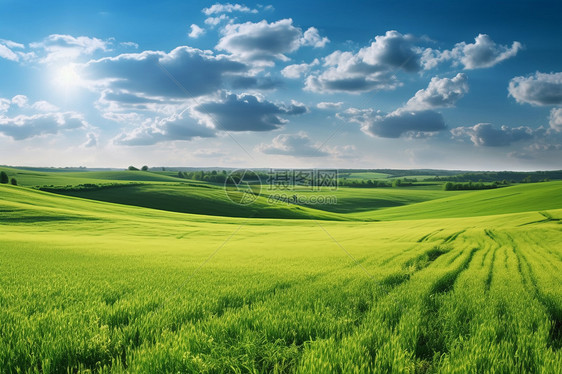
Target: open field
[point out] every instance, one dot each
(446, 281)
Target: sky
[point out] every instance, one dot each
(284, 84)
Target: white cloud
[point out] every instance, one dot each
(483, 53)
(27, 126)
(556, 119)
(213, 21)
(264, 42)
(44, 106)
(7, 53)
(130, 45)
(173, 128)
(486, 135)
(441, 92)
(183, 73)
(11, 44)
(295, 71)
(196, 31)
(538, 89)
(92, 140)
(395, 124)
(371, 68)
(55, 47)
(4, 105)
(312, 38)
(245, 112)
(227, 8)
(329, 105)
(20, 100)
(296, 145)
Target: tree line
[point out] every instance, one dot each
(451, 186)
(4, 179)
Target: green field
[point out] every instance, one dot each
(172, 276)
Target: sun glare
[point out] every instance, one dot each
(66, 77)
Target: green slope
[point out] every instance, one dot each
(198, 199)
(514, 199)
(90, 286)
(47, 178)
(352, 200)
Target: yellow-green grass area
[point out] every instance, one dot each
(201, 198)
(94, 286)
(351, 200)
(32, 178)
(215, 200)
(513, 199)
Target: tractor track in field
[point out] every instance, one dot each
(429, 342)
(553, 310)
(426, 236)
(453, 237)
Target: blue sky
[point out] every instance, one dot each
(362, 84)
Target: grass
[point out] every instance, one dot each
(445, 282)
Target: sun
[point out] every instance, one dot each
(66, 77)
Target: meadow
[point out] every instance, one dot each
(172, 276)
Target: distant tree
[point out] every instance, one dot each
(3, 177)
(397, 183)
(132, 168)
(144, 168)
(448, 186)
(14, 182)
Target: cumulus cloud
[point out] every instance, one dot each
(182, 73)
(227, 8)
(27, 126)
(7, 53)
(264, 42)
(440, 93)
(395, 124)
(312, 38)
(371, 68)
(20, 100)
(92, 140)
(298, 145)
(44, 106)
(556, 119)
(245, 112)
(329, 105)
(538, 89)
(4, 105)
(130, 45)
(295, 71)
(213, 21)
(196, 31)
(483, 53)
(58, 47)
(173, 128)
(486, 135)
